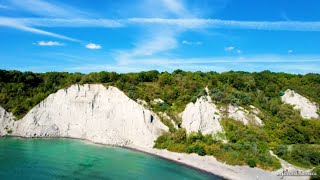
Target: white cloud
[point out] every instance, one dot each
(49, 43)
(93, 46)
(290, 51)
(230, 48)
(191, 43)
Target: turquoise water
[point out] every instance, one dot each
(74, 159)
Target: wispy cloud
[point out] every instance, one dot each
(275, 63)
(160, 40)
(46, 9)
(290, 51)
(62, 22)
(175, 6)
(49, 43)
(231, 24)
(191, 43)
(177, 23)
(18, 25)
(150, 46)
(271, 59)
(93, 46)
(230, 48)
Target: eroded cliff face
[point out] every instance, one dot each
(307, 108)
(205, 116)
(202, 116)
(92, 112)
(243, 115)
(6, 122)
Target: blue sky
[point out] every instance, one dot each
(137, 35)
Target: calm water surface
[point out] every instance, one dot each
(74, 159)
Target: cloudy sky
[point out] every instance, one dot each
(136, 35)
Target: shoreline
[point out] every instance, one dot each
(174, 161)
(204, 164)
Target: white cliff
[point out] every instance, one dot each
(202, 116)
(95, 113)
(243, 115)
(307, 108)
(6, 122)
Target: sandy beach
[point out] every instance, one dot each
(211, 165)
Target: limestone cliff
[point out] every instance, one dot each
(201, 116)
(6, 122)
(243, 115)
(92, 112)
(307, 108)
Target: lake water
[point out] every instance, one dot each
(74, 159)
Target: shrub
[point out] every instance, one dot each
(179, 136)
(163, 141)
(197, 148)
(194, 137)
(316, 171)
(251, 163)
(281, 150)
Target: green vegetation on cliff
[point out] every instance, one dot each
(246, 145)
(21, 91)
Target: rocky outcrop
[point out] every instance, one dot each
(307, 108)
(243, 115)
(95, 113)
(142, 102)
(202, 116)
(157, 101)
(6, 122)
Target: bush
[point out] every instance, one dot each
(251, 163)
(194, 137)
(316, 171)
(306, 156)
(281, 150)
(163, 141)
(179, 136)
(197, 148)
